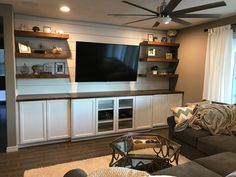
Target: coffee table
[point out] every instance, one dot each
(141, 151)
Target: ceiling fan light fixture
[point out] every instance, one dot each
(166, 23)
(165, 20)
(65, 9)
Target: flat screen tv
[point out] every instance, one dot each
(99, 62)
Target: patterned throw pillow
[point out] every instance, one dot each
(182, 113)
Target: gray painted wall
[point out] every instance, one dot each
(192, 54)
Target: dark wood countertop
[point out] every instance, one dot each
(93, 95)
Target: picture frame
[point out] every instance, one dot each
(59, 68)
(151, 52)
(24, 47)
(150, 37)
(169, 56)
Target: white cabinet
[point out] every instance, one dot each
(174, 100)
(46, 120)
(143, 115)
(125, 113)
(160, 109)
(162, 105)
(58, 119)
(114, 114)
(43, 120)
(83, 117)
(101, 116)
(32, 121)
(106, 115)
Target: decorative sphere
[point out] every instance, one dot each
(36, 29)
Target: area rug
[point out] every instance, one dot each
(88, 165)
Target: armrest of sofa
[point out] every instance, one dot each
(171, 124)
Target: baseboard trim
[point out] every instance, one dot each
(12, 149)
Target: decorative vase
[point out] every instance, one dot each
(171, 34)
(24, 69)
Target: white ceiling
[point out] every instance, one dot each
(97, 10)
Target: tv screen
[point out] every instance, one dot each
(99, 62)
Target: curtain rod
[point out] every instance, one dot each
(233, 26)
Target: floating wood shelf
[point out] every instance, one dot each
(41, 55)
(155, 59)
(34, 76)
(21, 33)
(158, 75)
(168, 44)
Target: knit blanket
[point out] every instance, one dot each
(215, 118)
(118, 172)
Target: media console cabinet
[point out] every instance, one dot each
(51, 118)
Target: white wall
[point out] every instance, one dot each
(81, 31)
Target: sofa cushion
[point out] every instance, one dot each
(190, 169)
(190, 136)
(217, 144)
(222, 163)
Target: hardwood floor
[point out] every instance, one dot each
(14, 164)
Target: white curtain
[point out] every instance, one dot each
(234, 75)
(219, 65)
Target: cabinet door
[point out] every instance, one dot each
(83, 117)
(143, 113)
(173, 101)
(160, 109)
(106, 115)
(125, 113)
(32, 121)
(58, 119)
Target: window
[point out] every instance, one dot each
(234, 76)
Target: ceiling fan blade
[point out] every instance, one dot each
(182, 22)
(170, 7)
(138, 6)
(198, 16)
(199, 8)
(140, 20)
(156, 24)
(131, 15)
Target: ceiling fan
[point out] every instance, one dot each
(165, 13)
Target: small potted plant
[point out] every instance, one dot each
(154, 69)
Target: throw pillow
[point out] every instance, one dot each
(182, 113)
(233, 174)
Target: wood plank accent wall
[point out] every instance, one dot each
(81, 31)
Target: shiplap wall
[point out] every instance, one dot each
(81, 31)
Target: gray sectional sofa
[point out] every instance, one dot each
(200, 143)
(218, 165)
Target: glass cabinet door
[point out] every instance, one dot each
(105, 115)
(125, 113)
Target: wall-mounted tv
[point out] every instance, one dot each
(100, 62)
